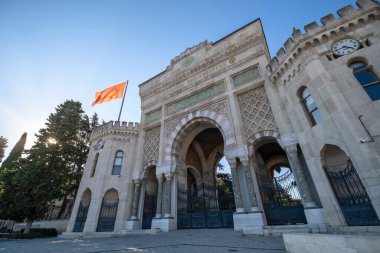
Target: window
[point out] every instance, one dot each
(94, 165)
(310, 107)
(117, 163)
(367, 79)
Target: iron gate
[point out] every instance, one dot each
(81, 218)
(149, 212)
(203, 208)
(283, 204)
(107, 216)
(352, 197)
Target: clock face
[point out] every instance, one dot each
(346, 46)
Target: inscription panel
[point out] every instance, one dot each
(196, 98)
(246, 76)
(153, 116)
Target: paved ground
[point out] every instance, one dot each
(193, 241)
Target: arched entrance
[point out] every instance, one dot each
(279, 192)
(351, 195)
(201, 194)
(108, 211)
(150, 197)
(82, 211)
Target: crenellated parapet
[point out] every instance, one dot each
(116, 128)
(350, 18)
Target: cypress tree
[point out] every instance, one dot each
(3, 146)
(15, 154)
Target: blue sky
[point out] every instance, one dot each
(52, 50)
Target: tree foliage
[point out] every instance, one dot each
(54, 165)
(225, 191)
(15, 153)
(3, 146)
(9, 179)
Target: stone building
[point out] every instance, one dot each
(300, 131)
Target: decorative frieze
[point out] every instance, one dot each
(202, 67)
(196, 98)
(202, 77)
(256, 112)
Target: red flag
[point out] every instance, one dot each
(113, 92)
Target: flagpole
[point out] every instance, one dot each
(122, 102)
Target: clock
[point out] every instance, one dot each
(345, 46)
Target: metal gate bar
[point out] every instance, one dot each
(81, 218)
(200, 208)
(107, 216)
(283, 205)
(352, 197)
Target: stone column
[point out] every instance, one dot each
(167, 195)
(250, 185)
(136, 198)
(303, 187)
(236, 186)
(159, 196)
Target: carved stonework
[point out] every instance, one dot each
(151, 144)
(256, 112)
(221, 107)
(196, 98)
(170, 126)
(221, 57)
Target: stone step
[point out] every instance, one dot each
(276, 230)
(86, 235)
(152, 231)
(355, 230)
(284, 229)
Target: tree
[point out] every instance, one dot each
(9, 179)
(53, 167)
(225, 191)
(3, 146)
(15, 153)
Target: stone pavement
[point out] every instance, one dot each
(194, 241)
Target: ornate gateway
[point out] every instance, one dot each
(204, 208)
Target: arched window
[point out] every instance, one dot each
(94, 165)
(310, 107)
(367, 79)
(117, 163)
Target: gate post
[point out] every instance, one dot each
(236, 186)
(167, 198)
(159, 196)
(250, 185)
(134, 223)
(295, 164)
(314, 214)
(167, 221)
